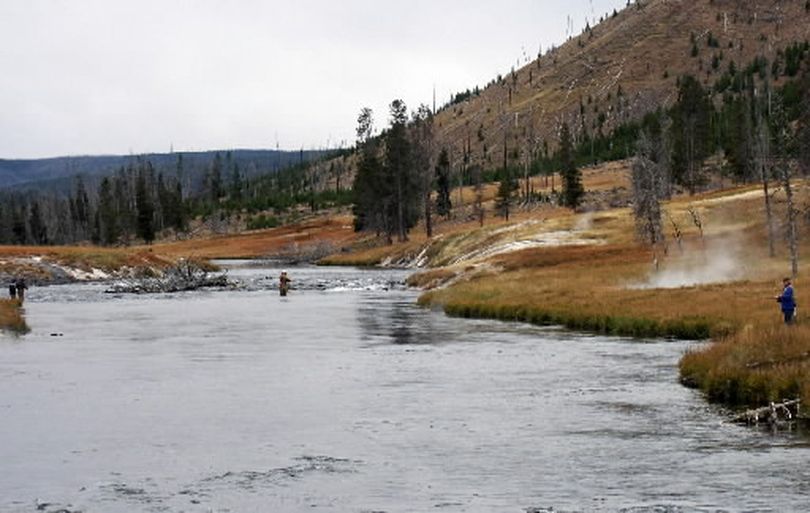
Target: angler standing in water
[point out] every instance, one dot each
(787, 301)
(284, 283)
(12, 290)
(21, 288)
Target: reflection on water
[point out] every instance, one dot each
(346, 397)
(385, 319)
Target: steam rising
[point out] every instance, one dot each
(720, 261)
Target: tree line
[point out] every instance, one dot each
(140, 201)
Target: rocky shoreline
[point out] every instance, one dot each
(38, 270)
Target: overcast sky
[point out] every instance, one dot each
(136, 76)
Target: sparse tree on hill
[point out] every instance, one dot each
(572, 178)
(506, 193)
(508, 185)
(443, 203)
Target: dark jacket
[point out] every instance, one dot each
(787, 300)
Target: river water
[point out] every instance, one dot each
(345, 397)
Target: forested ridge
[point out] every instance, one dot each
(165, 194)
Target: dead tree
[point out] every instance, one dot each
(650, 185)
(792, 216)
(761, 151)
(781, 134)
(424, 159)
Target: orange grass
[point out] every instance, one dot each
(335, 231)
(11, 318)
(753, 367)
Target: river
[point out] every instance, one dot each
(346, 397)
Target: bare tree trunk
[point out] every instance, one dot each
(428, 219)
(479, 195)
(768, 212)
(402, 234)
(762, 149)
(793, 235)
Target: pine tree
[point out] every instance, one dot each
(572, 179)
(423, 158)
(39, 234)
(107, 214)
(236, 184)
(691, 117)
(145, 209)
(397, 166)
(214, 180)
(443, 203)
(369, 196)
(506, 192)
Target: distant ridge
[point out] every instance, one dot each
(56, 172)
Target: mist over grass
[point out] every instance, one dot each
(705, 262)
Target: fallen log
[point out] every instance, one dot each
(184, 275)
(770, 414)
(771, 363)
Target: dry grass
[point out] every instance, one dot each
(80, 257)
(753, 367)
(336, 232)
(11, 318)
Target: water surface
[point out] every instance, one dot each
(345, 397)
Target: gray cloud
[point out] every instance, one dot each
(109, 76)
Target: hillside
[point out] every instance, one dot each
(617, 71)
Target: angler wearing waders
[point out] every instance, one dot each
(284, 283)
(787, 301)
(21, 288)
(12, 290)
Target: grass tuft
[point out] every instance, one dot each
(11, 318)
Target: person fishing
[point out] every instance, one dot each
(788, 301)
(12, 290)
(21, 288)
(284, 283)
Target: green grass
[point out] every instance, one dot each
(639, 327)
